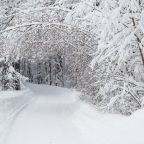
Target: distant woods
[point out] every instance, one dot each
(52, 54)
(49, 71)
(54, 70)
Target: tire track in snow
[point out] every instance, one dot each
(10, 108)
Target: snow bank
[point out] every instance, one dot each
(12, 104)
(109, 128)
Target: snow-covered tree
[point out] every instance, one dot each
(9, 78)
(116, 83)
(95, 46)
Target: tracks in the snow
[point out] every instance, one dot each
(11, 105)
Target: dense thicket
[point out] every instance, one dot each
(93, 45)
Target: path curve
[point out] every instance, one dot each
(49, 119)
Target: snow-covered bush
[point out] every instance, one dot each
(9, 78)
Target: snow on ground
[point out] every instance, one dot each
(52, 115)
(11, 105)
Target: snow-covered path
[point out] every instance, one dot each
(57, 116)
(48, 120)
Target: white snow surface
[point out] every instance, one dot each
(51, 115)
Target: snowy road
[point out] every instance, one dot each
(56, 116)
(11, 105)
(48, 120)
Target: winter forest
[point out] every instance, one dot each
(75, 66)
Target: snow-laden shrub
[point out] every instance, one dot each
(9, 78)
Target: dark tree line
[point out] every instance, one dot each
(49, 71)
